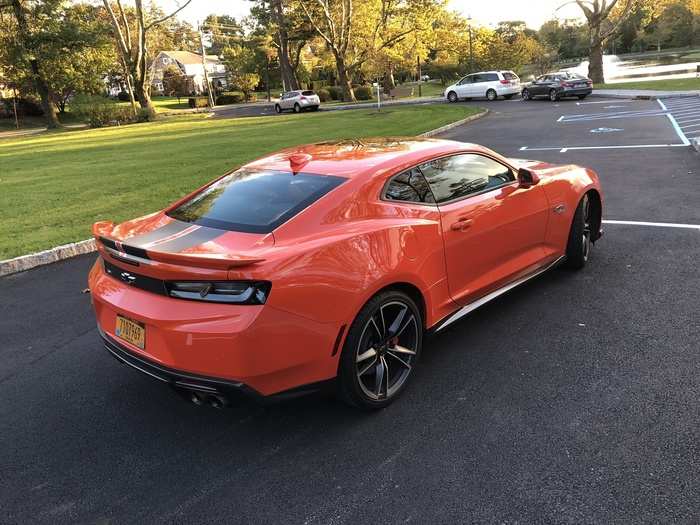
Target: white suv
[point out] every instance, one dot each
(489, 84)
(298, 101)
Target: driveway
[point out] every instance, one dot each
(571, 399)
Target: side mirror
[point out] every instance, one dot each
(527, 178)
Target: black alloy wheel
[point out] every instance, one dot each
(381, 351)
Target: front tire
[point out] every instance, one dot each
(578, 247)
(380, 351)
(278, 108)
(452, 97)
(526, 94)
(491, 95)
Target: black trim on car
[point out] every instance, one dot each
(125, 248)
(135, 280)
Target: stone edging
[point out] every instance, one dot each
(66, 251)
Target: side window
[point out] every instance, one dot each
(409, 186)
(461, 175)
(491, 77)
(465, 80)
(477, 78)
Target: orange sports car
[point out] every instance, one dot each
(329, 262)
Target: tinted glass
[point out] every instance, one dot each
(465, 80)
(460, 175)
(307, 93)
(254, 201)
(409, 186)
(489, 77)
(510, 76)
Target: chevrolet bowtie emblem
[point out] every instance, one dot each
(127, 277)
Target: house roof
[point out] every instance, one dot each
(187, 57)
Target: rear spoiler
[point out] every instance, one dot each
(114, 247)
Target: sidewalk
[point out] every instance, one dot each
(643, 93)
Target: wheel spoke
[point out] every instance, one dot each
(402, 350)
(367, 367)
(394, 328)
(376, 328)
(379, 372)
(410, 320)
(404, 363)
(366, 355)
(381, 314)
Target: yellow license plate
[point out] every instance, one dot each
(131, 331)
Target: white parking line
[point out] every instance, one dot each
(612, 101)
(680, 134)
(564, 149)
(657, 224)
(690, 126)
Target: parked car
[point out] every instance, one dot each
(489, 84)
(559, 85)
(329, 262)
(298, 101)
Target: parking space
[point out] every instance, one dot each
(571, 399)
(686, 113)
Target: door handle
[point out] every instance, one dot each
(461, 225)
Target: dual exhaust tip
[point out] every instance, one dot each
(213, 400)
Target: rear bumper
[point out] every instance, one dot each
(575, 92)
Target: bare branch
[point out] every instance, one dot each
(161, 20)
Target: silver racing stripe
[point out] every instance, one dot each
(168, 230)
(194, 238)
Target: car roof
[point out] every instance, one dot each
(360, 157)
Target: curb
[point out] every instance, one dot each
(66, 251)
(645, 97)
(448, 127)
(27, 262)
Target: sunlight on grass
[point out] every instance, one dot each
(54, 186)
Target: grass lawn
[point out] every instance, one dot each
(54, 186)
(675, 84)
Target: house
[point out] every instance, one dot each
(190, 65)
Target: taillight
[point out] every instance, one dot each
(302, 98)
(232, 292)
(506, 82)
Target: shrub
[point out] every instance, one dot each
(124, 96)
(99, 111)
(335, 92)
(363, 93)
(29, 107)
(198, 102)
(230, 97)
(323, 95)
(145, 115)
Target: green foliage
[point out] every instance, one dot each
(241, 67)
(100, 111)
(335, 92)
(198, 102)
(363, 93)
(174, 82)
(230, 97)
(323, 95)
(124, 96)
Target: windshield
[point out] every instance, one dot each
(254, 201)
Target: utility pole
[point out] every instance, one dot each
(267, 76)
(471, 49)
(204, 67)
(420, 78)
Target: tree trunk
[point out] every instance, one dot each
(344, 80)
(289, 79)
(38, 79)
(389, 82)
(143, 94)
(595, 62)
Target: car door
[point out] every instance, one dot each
(536, 89)
(477, 87)
(463, 86)
(493, 227)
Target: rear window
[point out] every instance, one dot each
(307, 93)
(509, 75)
(254, 201)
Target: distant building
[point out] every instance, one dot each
(190, 65)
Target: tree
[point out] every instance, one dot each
(174, 82)
(134, 51)
(240, 64)
(598, 16)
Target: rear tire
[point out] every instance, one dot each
(553, 95)
(278, 109)
(314, 108)
(526, 94)
(380, 351)
(297, 108)
(452, 97)
(578, 247)
(491, 95)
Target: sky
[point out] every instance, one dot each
(483, 12)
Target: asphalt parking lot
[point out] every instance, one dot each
(573, 399)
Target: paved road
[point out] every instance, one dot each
(572, 399)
